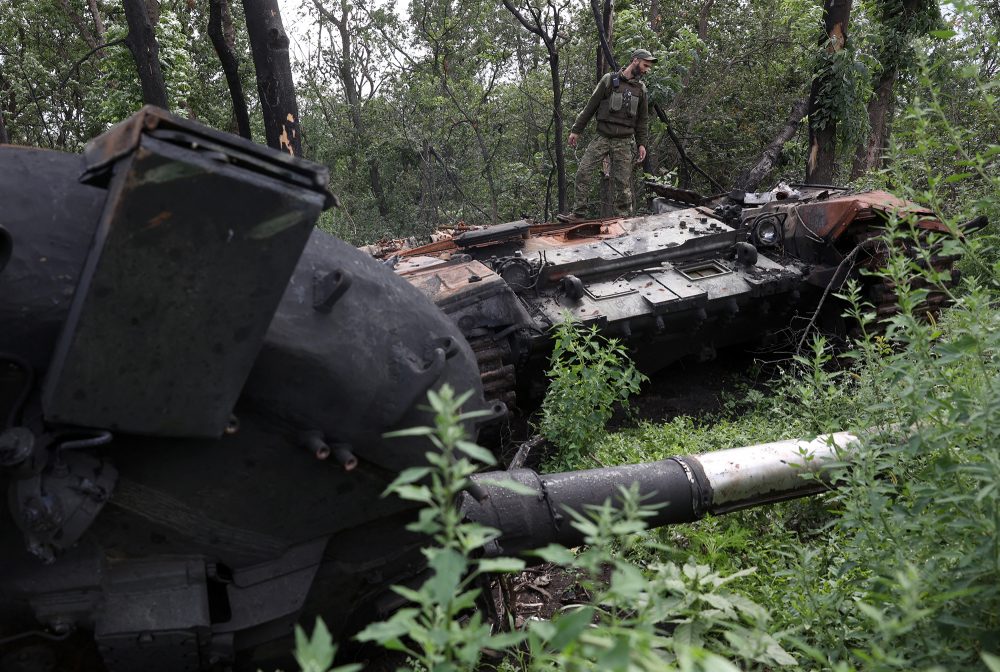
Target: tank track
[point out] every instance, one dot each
(498, 378)
(881, 292)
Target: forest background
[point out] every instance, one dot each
(457, 111)
(445, 111)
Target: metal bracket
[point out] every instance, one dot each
(328, 288)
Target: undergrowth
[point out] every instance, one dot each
(896, 569)
(588, 375)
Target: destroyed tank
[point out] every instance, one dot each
(700, 274)
(196, 386)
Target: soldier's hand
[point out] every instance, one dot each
(573, 138)
(642, 153)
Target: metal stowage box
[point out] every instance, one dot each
(199, 235)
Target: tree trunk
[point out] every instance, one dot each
(535, 26)
(822, 153)
(5, 87)
(607, 26)
(353, 94)
(484, 152)
(609, 23)
(99, 29)
(92, 40)
(145, 50)
(683, 174)
(487, 169)
(428, 188)
(655, 16)
(269, 45)
(651, 164)
(900, 22)
(749, 180)
(870, 153)
(153, 11)
(703, 14)
(220, 30)
(557, 119)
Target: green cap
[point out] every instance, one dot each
(644, 55)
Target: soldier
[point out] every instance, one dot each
(620, 102)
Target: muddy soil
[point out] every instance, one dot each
(694, 389)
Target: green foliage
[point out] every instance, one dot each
(429, 630)
(649, 615)
(588, 376)
(643, 615)
(316, 653)
(840, 97)
(117, 76)
(946, 150)
(897, 569)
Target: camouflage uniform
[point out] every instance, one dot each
(621, 116)
(620, 152)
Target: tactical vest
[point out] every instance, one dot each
(621, 104)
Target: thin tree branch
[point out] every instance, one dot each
(76, 66)
(218, 14)
(680, 149)
(454, 181)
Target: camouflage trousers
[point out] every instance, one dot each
(619, 152)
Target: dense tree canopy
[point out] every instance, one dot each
(456, 111)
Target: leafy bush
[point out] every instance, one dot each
(646, 615)
(316, 653)
(588, 375)
(430, 631)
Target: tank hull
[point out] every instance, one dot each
(749, 270)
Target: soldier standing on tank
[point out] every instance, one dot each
(620, 102)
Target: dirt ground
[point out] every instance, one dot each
(694, 389)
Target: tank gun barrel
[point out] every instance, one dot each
(685, 488)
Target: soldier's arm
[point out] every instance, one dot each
(595, 101)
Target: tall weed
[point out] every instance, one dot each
(588, 376)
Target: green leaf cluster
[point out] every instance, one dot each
(588, 375)
(430, 630)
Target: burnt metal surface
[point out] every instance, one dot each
(55, 507)
(249, 526)
(6, 247)
(364, 367)
(155, 615)
(772, 472)
(104, 151)
(732, 269)
(532, 521)
(50, 218)
(178, 289)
